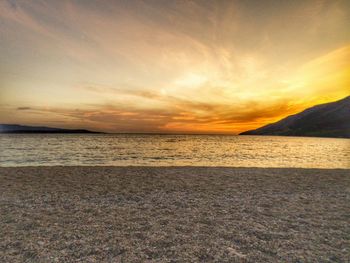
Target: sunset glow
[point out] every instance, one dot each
(170, 66)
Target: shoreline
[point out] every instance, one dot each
(172, 167)
(170, 213)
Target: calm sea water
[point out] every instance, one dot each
(173, 150)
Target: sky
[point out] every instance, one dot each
(170, 66)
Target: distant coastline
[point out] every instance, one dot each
(15, 128)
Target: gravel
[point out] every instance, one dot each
(174, 214)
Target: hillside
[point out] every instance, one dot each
(324, 120)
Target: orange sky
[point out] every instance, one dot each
(170, 66)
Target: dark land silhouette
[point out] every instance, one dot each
(324, 120)
(14, 128)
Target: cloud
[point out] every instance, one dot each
(24, 108)
(180, 116)
(12, 4)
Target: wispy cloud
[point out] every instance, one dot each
(180, 116)
(23, 108)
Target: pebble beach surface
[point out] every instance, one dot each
(174, 214)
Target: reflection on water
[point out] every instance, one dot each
(177, 150)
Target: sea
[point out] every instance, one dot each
(172, 150)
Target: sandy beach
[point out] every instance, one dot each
(174, 214)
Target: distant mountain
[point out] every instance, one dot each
(14, 128)
(324, 120)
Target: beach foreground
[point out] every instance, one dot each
(177, 214)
